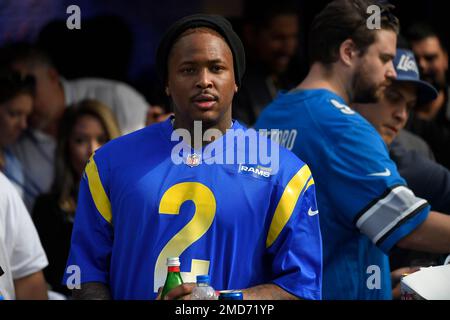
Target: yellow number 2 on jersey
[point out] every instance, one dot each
(205, 210)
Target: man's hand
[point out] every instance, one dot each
(261, 292)
(396, 276)
(182, 292)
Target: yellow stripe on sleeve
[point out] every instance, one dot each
(99, 196)
(287, 203)
(310, 183)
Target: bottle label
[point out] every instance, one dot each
(173, 269)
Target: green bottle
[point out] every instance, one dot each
(173, 276)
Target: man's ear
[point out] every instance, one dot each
(235, 88)
(167, 91)
(347, 52)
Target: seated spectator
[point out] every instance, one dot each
(21, 255)
(16, 103)
(270, 34)
(84, 128)
(36, 148)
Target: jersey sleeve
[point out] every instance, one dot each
(294, 241)
(92, 235)
(368, 190)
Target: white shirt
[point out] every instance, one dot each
(129, 106)
(21, 252)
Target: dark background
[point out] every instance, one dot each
(118, 38)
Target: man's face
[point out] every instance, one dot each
(276, 44)
(47, 100)
(201, 78)
(432, 60)
(374, 68)
(390, 114)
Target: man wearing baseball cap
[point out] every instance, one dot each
(407, 85)
(426, 178)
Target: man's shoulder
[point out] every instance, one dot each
(313, 106)
(266, 140)
(288, 166)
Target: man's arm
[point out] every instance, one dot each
(261, 292)
(92, 291)
(31, 287)
(433, 235)
(267, 292)
(92, 235)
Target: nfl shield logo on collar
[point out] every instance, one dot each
(193, 160)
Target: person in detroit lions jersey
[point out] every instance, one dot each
(365, 206)
(249, 226)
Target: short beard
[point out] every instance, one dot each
(363, 91)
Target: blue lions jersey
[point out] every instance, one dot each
(244, 224)
(364, 204)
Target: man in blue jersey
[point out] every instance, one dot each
(250, 226)
(366, 208)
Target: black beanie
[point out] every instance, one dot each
(214, 22)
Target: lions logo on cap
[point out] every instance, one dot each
(407, 63)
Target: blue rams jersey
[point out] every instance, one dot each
(364, 204)
(242, 224)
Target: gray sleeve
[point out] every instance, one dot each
(427, 178)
